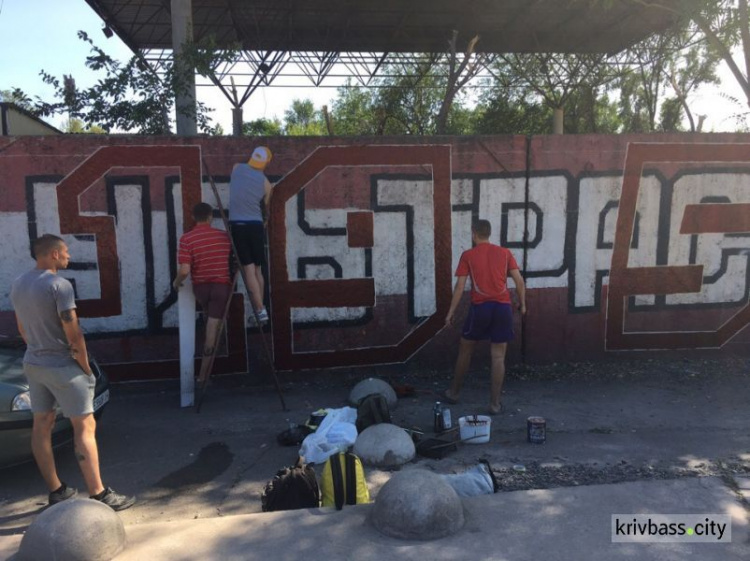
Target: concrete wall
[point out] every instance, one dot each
(366, 233)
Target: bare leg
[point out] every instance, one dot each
(251, 277)
(212, 333)
(497, 351)
(84, 429)
(261, 284)
(41, 446)
(465, 350)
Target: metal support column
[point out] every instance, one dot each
(182, 33)
(237, 121)
(557, 120)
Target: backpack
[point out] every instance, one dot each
(372, 409)
(293, 487)
(293, 436)
(343, 481)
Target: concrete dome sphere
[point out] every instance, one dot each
(373, 385)
(417, 505)
(74, 530)
(384, 445)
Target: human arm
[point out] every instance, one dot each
(515, 274)
(182, 273)
(77, 343)
(20, 330)
(458, 291)
(267, 200)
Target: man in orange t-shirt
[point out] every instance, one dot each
(490, 316)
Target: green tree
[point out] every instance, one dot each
(17, 97)
(556, 79)
(354, 111)
(460, 73)
(658, 75)
(76, 126)
(724, 28)
(405, 100)
(504, 111)
(132, 96)
(302, 119)
(262, 127)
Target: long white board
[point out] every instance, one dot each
(186, 319)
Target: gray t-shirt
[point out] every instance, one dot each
(38, 298)
(247, 187)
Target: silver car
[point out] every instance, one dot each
(15, 406)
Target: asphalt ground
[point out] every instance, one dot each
(608, 423)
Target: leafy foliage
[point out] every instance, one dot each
(76, 126)
(262, 127)
(302, 119)
(647, 88)
(131, 96)
(17, 97)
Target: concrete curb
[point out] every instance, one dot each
(565, 524)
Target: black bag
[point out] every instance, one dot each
(293, 436)
(372, 409)
(292, 488)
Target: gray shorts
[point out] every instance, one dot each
(68, 386)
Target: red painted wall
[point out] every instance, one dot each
(374, 227)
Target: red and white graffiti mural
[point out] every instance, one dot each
(636, 243)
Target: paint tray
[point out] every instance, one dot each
(436, 448)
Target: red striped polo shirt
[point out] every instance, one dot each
(207, 251)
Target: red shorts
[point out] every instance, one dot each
(212, 297)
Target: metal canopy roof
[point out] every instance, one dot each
(395, 26)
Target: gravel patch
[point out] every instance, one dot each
(533, 475)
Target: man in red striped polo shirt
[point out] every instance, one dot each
(204, 255)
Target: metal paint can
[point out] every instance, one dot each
(536, 430)
(447, 424)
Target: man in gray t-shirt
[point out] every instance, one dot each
(248, 187)
(57, 367)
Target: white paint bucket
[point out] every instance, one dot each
(474, 429)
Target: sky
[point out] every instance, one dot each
(41, 34)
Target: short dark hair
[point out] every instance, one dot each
(203, 212)
(482, 228)
(45, 244)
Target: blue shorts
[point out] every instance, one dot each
(489, 320)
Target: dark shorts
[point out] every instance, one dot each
(212, 297)
(250, 239)
(490, 320)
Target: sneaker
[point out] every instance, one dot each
(62, 494)
(262, 317)
(114, 500)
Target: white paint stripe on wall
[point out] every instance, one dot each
(691, 189)
(418, 195)
(16, 256)
(87, 283)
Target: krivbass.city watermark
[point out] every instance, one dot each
(672, 528)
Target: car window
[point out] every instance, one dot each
(10, 359)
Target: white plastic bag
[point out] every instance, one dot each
(336, 433)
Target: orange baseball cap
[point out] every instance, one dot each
(260, 158)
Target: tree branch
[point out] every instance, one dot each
(705, 26)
